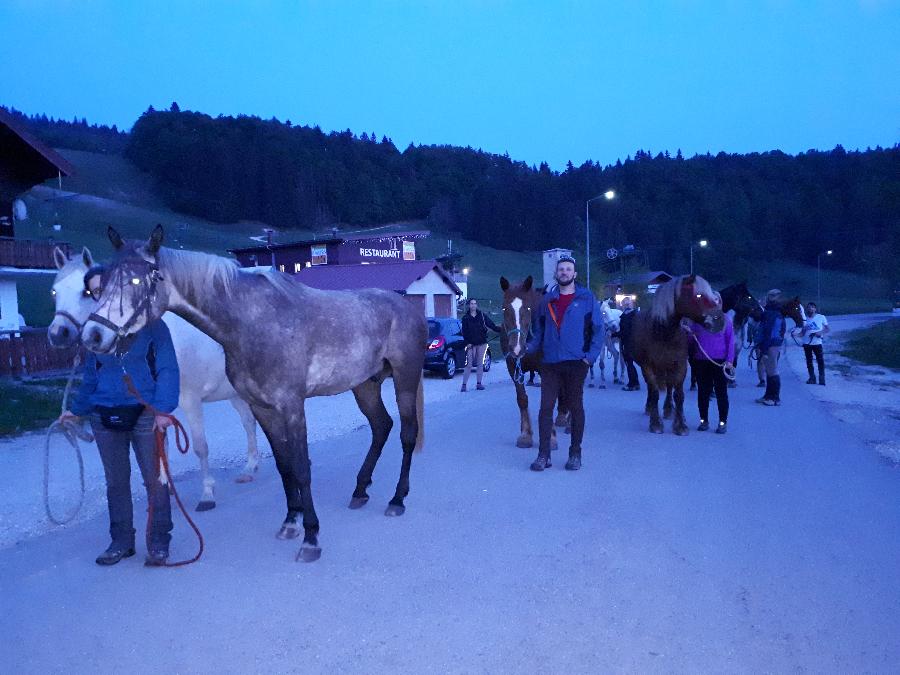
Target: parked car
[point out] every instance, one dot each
(446, 348)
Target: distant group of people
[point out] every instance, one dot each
(568, 331)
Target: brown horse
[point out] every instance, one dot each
(520, 301)
(660, 345)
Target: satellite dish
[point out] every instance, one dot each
(612, 253)
(20, 211)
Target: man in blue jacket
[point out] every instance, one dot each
(770, 338)
(568, 329)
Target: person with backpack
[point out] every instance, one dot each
(118, 421)
(475, 326)
(770, 338)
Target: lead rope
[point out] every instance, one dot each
(183, 443)
(72, 433)
(726, 366)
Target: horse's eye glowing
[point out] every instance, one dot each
(699, 296)
(136, 281)
(53, 292)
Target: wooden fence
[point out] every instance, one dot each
(26, 352)
(28, 253)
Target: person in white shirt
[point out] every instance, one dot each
(814, 329)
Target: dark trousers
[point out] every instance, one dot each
(709, 377)
(816, 350)
(113, 446)
(632, 371)
(563, 381)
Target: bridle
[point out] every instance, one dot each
(64, 314)
(121, 332)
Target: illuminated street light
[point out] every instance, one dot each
(609, 195)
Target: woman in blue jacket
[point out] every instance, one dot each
(119, 420)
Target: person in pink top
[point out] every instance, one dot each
(712, 350)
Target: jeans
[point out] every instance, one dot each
(632, 371)
(113, 447)
(564, 381)
(769, 360)
(474, 358)
(709, 377)
(816, 350)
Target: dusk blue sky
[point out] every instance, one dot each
(552, 81)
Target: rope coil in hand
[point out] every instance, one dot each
(726, 366)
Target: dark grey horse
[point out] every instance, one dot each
(284, 343)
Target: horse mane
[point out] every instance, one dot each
(195, 271)
(667, 294)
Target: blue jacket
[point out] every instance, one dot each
(581, 332)
(770, 332)
(103, 385)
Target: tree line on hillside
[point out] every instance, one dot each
(751, 207)
(76, 134)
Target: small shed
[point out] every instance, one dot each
(423, 282)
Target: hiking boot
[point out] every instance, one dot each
(722, 428)
(157, 556)
(463, 388)
(704, 426)
(811, 380)
(114, 554)
(542, 462)
(479, 387)
(631, 387)
(574, 462)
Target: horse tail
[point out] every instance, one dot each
(420, 414)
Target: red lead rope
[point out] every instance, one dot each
(183, 443)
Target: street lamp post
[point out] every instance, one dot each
(819, 276)
(608, 195)
(703, 244)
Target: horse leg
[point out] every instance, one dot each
(617, 368)
(406, 386)
(667, 404)
(652, 407)
(298, 456)
(193, 411)
(248, 421)
(679, 426)
(368, 398)
(275, 429)
(526, 434)
(602, 363)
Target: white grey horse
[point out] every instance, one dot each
(200, 360)
(284, 342)
(611, 350)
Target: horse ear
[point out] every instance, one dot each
(59, 257)
(504, 284)
(86, 257)
(527, 284)
(156, 240)
(114, 238)
(690, 279)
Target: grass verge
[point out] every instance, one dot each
(877, 345)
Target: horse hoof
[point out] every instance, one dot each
(591, 386)
(309, 553)
(358, 502)
(524, 442)
(602, 386)
(656, 428)
(288, 532)
(394, 510)
(206, 505)
(681, 431)
(244, 478)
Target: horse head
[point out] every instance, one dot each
(132, 295)
(688, 296)
(793, 309)
(519, 303)
(72, 303)
(738, 298)
(610, 316)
